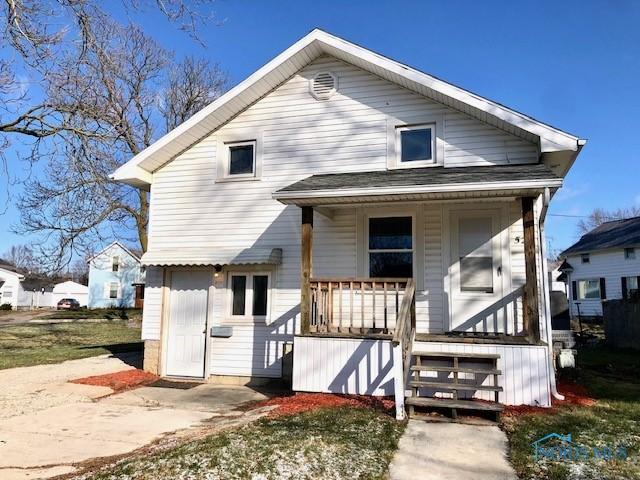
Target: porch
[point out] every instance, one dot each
(471, 297)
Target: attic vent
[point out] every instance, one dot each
(323, 85)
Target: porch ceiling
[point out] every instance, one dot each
(430, 183)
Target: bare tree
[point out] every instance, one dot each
(21, 257)
(80, 270)
(101, 107)
(599, 216)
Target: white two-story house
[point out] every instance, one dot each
(603, 265)
(384, 226)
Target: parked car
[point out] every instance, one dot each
(68, 304)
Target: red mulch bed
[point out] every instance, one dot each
(119, 381)
(574, 394)
(303, 402)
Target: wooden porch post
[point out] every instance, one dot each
(531, 314)
(306, 269)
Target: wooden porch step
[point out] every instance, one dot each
(453, 386)
(475, 356)
(451, 403)
(444, 368)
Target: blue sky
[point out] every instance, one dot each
(574, 65)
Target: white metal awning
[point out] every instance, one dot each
(212, 256)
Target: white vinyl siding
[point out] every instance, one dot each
(152, 312)
(326, 365)
(298, 136)
(608, 264)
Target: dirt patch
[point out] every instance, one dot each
(303, 402)
(119, 381)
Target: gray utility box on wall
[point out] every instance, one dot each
(224, 332)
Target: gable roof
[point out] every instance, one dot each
(138, 171)
(11, 269)
(613, 234)
(129, 251)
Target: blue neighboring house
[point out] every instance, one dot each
(116, 278)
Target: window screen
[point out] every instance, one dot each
(589, 289)
(239, 292)
(260, 288)
(391, 247)
(415, 145)
(241, 159)
(476, 254)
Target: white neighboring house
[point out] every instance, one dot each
(10, 287)
(116, 278)
(70, 289)
(603, 264)
(364, 215)
(557, 278)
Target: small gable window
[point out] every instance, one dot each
(585, 258)
(242, 158)
(416, 145)
(630, 253)
(115, 264)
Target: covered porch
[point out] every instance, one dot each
(444, 257)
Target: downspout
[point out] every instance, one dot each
(547, 302)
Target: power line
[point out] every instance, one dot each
(567, 215)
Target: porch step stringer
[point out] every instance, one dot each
(437, 379)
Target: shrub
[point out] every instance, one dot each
(5, 306)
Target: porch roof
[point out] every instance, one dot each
(212, 256)
(419, 183)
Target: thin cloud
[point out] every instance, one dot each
(567, 193)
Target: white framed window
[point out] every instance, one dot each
(114, 290)
(630, 253)
(390, 246)
(416, 145)
(588, 289)
(249, 295)
(240, 159)
(8, 292)
(585, 258)
(632, 286)
(115, 264)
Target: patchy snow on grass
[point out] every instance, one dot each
(332, 443)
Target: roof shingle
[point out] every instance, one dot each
(422, 176)
(613, 234)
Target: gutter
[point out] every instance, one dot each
(547, 302)
(293, 195)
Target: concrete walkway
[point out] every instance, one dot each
(47, 425)
(443, 451)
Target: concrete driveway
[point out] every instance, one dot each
(47, 425)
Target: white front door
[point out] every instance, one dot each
(475, 271)
(188, 307)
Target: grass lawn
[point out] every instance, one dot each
(22, 346)
(97, 313)
(612, 378)
(331, 442)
